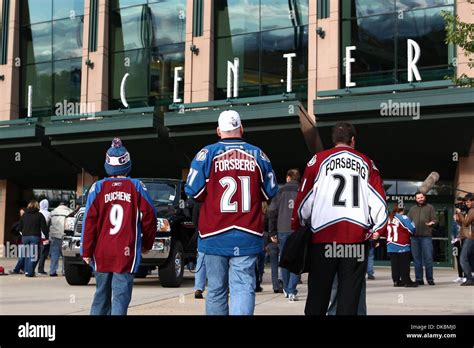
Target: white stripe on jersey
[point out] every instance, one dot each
(136, 241)
(339, 220)
(230, 228)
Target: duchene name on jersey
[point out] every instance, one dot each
(348, 162)
(118, 196)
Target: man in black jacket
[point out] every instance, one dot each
(279, 213)
(32, 224)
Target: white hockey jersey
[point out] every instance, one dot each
(342, 197)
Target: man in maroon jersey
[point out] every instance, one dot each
(231, 178)
(342, 200)
(119, 224)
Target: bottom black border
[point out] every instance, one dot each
(140, 331)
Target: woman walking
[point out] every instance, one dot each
(32, 224)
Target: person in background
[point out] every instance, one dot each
(44, 244)
(260, 264)
(370, 261)
(424, 217)
(32, 225)
(200, 274)
(56, 232)
(280, 212)
(400, 229)
(457, 248)
(15, 231)
(119, 225)
(467, 232)
(273, 251)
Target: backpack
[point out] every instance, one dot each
(295, 254)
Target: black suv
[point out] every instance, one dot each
(175, 241)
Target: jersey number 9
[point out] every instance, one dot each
(116, 218)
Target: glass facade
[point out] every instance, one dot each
(51, 51)
(147, 41)
(259, 33)
(380, 30)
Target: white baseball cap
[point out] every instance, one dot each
(229, 120)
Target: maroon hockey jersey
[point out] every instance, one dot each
(119, 220)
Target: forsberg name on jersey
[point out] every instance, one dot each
(118, 196)
(234, 160)
(234, 164)
(348, 162)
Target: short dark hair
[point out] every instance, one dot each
(419, 193)
(294, 174)
(342, 133)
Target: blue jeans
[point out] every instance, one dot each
(113, 293)
(234, 275)
(467, 252)
(361, 310)
(200, 275)
(370, 260)
(290, 280)
(32, 250)
(422, 251)
(55, 252)
(20, 265)
(273, 252)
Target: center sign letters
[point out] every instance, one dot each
(413, 56)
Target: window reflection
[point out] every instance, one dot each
(235, 17)
(405, 5)
(259, 33)
(37, 44)
(283, 13)
(67, 38)
(114, 4)
(380, 30)
(135, 63)
(246, 48)
(67, 80)
(128, 29)
(426, 27)
(147, 41)
(164, 60)
(275, 44)
(51, 51)
(68, 9)
(39, 77)
(373, 37)
(36, 11)
(168, 22)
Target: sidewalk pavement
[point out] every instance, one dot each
(53, 296)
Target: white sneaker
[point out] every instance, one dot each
(292, 298)
(463, 280)
(285, 293)
(458, 280)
